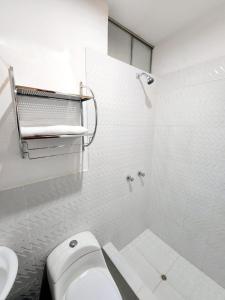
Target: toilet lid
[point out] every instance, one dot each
(94, 284)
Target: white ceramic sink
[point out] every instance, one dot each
(8, 270)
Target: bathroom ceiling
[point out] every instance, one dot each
(155, 20)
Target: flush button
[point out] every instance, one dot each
(73, 243)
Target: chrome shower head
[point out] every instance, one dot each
(149, 78)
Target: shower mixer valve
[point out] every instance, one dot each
(130, 178)
(141, 174)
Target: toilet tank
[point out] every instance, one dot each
(70, 252)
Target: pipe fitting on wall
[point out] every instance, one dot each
(130, 178)
(141, 174)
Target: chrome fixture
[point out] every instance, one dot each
(130, 178)
(31, 150)
(73, 243)
(149, 78)
(82, 86)
(141, 174)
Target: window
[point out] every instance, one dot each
(128, 47)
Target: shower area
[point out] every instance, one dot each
(175, 137)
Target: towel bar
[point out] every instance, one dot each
(23, 92)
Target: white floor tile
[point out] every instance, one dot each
(155, 251)
(146, 294)
(207, 289)
(193, 284)
(148, 257)
(183, 277)
(166, 292)
(147, 273)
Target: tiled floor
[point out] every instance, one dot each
(150, 257)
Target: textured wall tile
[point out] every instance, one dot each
(188, 164)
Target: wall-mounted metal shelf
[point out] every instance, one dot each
(72, 136)
(34, 92)
(34, 106)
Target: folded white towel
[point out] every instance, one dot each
(56, 130)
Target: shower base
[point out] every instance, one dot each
(155, 271)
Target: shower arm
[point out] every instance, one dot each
(149, 77)
(139, 75)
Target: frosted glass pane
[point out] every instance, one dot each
(119, 43)
(141, 56)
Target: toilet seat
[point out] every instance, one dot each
(94, 284)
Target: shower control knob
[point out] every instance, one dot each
(130, 178)
(141, 174)
(73, 243)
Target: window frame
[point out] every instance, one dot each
(133, 36)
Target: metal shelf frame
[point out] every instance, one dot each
(20, 91)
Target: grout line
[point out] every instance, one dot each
(155, 268)
(136, 248)
(148, 262)
(172, 265)
(157, 286)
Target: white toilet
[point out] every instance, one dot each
(77, 271)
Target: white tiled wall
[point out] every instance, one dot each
(36, 217)
(187, 205)
(199, 41)
(45, 43)
(187, 189)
